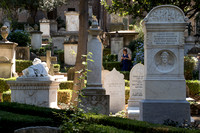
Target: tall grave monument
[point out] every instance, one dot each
(95, 95)
(164, 82)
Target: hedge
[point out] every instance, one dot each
(126, 74)
(11, 121)
(134, 125)
(127, 94)
(3, 85)
(22, 64)
(66, 85)
(194, 87)
(110, 65)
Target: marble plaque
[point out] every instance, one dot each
(72, 21)
(115, 87)
(165, 38)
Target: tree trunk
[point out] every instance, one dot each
(82, 49)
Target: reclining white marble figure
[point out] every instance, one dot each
(38, 69)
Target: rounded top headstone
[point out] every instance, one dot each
(166, 14)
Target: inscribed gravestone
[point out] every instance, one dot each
(136, 85)
(114, 84)
(120, 53)
(103, 74)
(164, 84)
(116, 45)
(72, 21)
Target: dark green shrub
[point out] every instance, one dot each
(57, 66)
(134, 125)
(22, 64)
(20, 37)
(6, 96)
(106, 51)
(3, 84)
(61, 56)
(189, 65)
(110, 58)
(126, 74)
(66, 85)
(110, 65)
(194, 87)
(16, 121)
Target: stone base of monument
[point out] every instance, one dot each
(133, 113)
(34, 91)
(157, 111)
(95, 104)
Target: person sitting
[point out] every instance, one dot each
(125, 59)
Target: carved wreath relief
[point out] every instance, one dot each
(164, 61)
(167, 14)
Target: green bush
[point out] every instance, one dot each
(60, 54)
(127, 94)
(6, 96)
(194, 87)
(22, 64)
(64, 96)
(106, 51)
(126, 74)
(57, 66)
(110, 58)
(127, 83)
(20, 37)
(3, 84)
(11, 121)
(110, 65)
(66, 85)
(134, 125)
(189, 65)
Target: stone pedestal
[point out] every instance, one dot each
(7, 59)
(70, 51)
(36, 39)
(45, 28)
(39, 91)
(94, 92)
(116, 44)
(164, 82)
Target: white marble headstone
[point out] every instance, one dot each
(114, 84)
(121, 53)
(136, 85)
(72, 21)
(116, 45)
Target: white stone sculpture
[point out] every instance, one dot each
(38, 69)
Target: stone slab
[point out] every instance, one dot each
(133, 113)
(95, 103)
(156, 111)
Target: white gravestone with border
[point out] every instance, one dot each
(72, 21)
(121, 53)
(164, 82)
(136, 90)
(116, 45)
(114, 84)
(45, 27)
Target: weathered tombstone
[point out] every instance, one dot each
(164, 82)
(53, 26)
(58, 41)
(136, 90)
(116, 44)
(7, 55)
(95, 97)
(35, 87)
(114, 84)
(23, 53)
(103, 75)
(120, 53)
(36, 38)
(72, 21)
(45, 27)
(70, 51)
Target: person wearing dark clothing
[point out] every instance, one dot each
(125, 59)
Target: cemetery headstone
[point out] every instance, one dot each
(114, 84)
(103, 73)
(36, 39)
(95, 98)
(120, 53)
(164, 82)
(116, 44)
(45, 27)
(72, 21)
(53, 26)
(136, 91)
